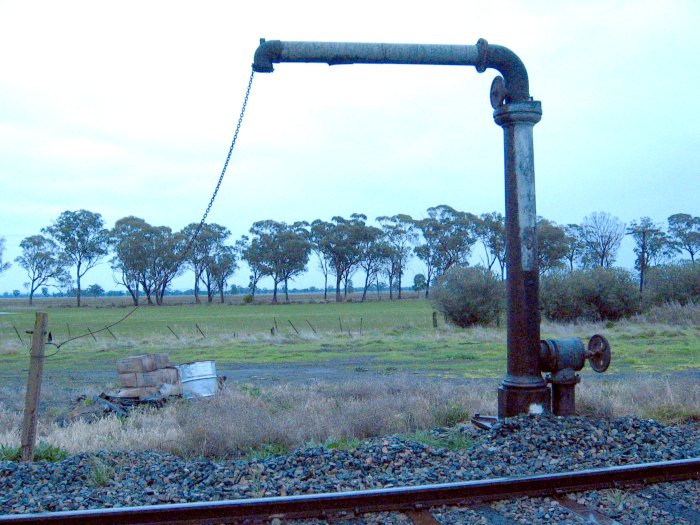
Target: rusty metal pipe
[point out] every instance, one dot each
(482, 55)
(523, 388)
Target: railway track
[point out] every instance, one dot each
(414, 502)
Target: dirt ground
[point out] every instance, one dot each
(60, 389)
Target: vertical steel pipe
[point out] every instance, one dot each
(523, 389)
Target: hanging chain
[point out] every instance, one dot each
(223, 172)
(190, 242)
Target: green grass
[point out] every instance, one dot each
(380, 336)
(42, 452)
(452, 441)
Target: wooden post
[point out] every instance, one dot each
(36, 367)
(171, 331)
(295, 328)
(312, 328)
(18, 336)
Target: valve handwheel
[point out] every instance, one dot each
(598, 353)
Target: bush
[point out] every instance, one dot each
(597, 294)
(247, 299)
(672, 283)
(468, 296)
(559, 300)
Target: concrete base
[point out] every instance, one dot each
(513, 401)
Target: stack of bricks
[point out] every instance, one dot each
(148, 375)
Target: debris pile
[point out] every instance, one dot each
(147, 376)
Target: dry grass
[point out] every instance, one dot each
(667, 399)
(247, 420)
(672, 314)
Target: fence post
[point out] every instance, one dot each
(36, 367)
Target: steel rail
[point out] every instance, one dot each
(377, 500)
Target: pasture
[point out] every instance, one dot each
(383, 336)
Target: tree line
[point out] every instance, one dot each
(145, 258)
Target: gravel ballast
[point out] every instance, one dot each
(514, 447)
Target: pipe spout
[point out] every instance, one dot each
(266, 54)
(482, 56)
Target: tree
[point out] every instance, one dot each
(419, 282)
(252, 253)
(82, 238)
(342, 246)
(448, 237)
(650, 245)
(3, 266)
(373, 252)
(165, 262)
(319, 231)
(684, 231)
(399, 235)
(293, 252)
(490, 229)
(95, 290)
(42, 260)
(145, 256)
(574, 244)
(279, 251)
(601, 235)
(208, 240)
(130, 240)
(552, 245)
(224, 264)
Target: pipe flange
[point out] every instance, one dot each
(482, 60)
(566, 376)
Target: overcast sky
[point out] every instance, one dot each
(127, 108)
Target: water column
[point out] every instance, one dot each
(523, 389)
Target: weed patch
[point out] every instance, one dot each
(454, 440)
(42, 452)
(101, 473)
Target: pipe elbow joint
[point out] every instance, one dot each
(267, 54)
(510, 66)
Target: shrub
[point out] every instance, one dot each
(559, 300)
(672, 283)
(597, 294)
(612, 293)
(247, 299)
(468, 296)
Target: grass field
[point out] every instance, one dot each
(382, 336)
(394, 341)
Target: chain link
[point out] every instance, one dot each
(190, 242)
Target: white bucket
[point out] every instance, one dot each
(198, 379)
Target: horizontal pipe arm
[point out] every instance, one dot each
(482, 56)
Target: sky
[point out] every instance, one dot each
(128, 108)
